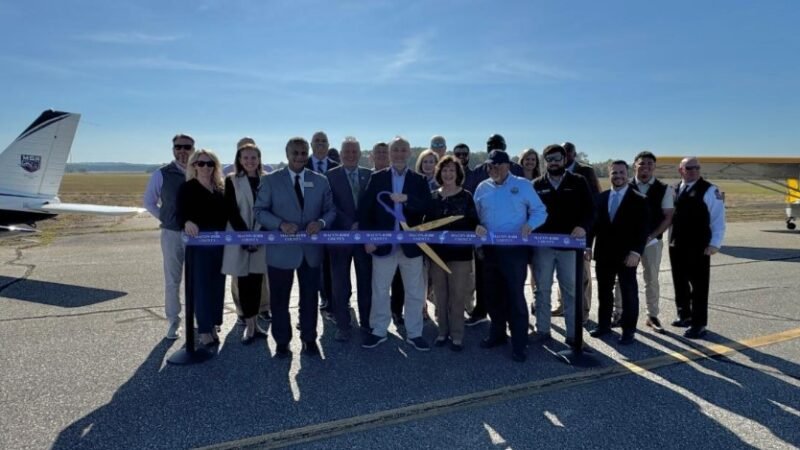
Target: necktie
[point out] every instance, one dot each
(298, 191)
(354, 187)
(612, 210)
(319, 167)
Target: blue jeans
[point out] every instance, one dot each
(547, 261)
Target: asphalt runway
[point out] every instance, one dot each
(82, 365)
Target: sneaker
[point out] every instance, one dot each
(174, 330)
(419, 343)
(472, 321)
(372, 341)
(655, 324)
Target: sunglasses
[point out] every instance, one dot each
(209, 164)
(183, 146)
(438, 145)
(692, 168)
(554, 158)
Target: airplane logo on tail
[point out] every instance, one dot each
(30, 163)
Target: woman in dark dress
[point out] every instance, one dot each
(452, 291)
(201, 207)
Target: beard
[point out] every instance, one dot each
(557, 172)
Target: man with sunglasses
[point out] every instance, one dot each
(439, 146)
(570, 210)
(698, 228)
(160, 199)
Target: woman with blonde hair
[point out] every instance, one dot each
(201, 207)
(246, 263)
(426, 166)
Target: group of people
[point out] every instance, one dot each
(553, 192)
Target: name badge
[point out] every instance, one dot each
(308, 184)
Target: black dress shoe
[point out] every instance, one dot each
(310, 348)
(491, 342)
(518, 356)
(695, 332)
(282, 351)
(599, 331)
(627, 338)
(682, 323)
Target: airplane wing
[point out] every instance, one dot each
(83, 208)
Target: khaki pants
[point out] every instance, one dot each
(264, 296)
(452, 292)
(651, 264)
(587, 290)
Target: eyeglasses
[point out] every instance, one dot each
(692, 168)
(183, 146)
(209, 164)
(554, 158)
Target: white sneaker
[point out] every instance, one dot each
(174, 330)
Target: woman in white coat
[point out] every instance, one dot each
(248, 263)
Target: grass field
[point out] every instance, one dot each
(744, 201)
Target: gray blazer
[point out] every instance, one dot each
(276, 203)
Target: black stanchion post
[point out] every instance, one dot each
(578, 355)
(189, 354)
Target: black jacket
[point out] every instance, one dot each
(569, 206)
(613, 241)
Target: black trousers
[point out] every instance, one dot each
(504, 273)
(690, 277)
(607, 273)
(341, 257)
(280, 286)
(250, 294)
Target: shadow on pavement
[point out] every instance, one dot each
(762, 253)
(55, 294)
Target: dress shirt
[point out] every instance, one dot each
(621, 193)
(315, 163)
(398, 181)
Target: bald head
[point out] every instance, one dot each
(689, 169)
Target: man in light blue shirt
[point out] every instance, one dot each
(508, 204)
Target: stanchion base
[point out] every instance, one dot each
(183, 357)
(577, 358)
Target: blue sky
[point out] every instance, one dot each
(615, 77)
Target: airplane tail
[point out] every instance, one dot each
(33, 165)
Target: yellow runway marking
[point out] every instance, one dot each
(419, 411)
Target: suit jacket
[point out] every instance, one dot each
(331, 164)
(346, 211)
(372, 216)
(613, 241)
(276, 203)
(591, 176)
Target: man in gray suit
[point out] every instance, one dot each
(290, 200)
(348, 182)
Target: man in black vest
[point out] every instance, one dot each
(698, 228)
(660, 202)
(160, 199)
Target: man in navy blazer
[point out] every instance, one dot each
(320, 162)
(348, 183)
(619, 236)
(293, 200)
(403, 193)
